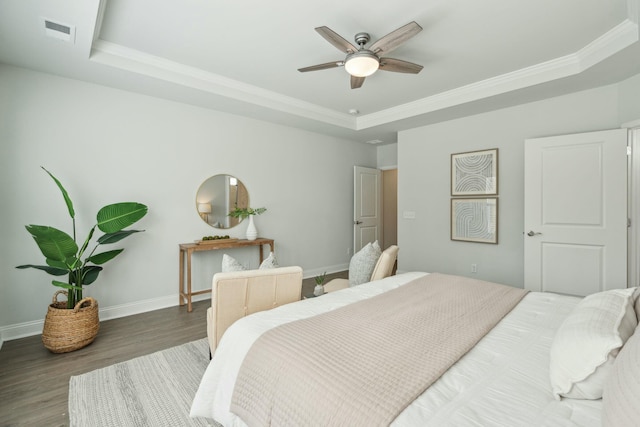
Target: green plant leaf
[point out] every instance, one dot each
(57, 264)
(67, 199)
(86, 242)
(245, 212)
(103, 257)
(51, 270)
(90, 274)
(117, 216)
(53, 243)
(116, 237)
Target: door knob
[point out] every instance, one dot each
(357, 222)
(532, 233)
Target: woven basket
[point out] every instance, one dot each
(69, 329)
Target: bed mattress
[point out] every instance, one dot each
(502, 381)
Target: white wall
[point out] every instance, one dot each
(424, 180)
(629, 105)
(387, 156)
(107, 145)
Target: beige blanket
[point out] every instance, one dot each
(362, 364)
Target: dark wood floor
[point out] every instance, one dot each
(34, 383)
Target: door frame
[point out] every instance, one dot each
(633, 262)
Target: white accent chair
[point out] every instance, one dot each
(383, 268)
(237, 294)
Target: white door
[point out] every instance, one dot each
(367, 206)
(575, 212)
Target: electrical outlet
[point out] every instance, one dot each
(474, 268)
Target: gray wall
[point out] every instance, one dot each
(107, 145)
(424, 181)
(629, 105)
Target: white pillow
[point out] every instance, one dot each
(363, 262)
(588, 341)
(269, 262)
(621, 389)
(230, 264)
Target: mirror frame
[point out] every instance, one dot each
(217, 196)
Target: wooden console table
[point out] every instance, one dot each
(186, 249)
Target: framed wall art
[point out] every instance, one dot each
(474, 173)
(475, 220)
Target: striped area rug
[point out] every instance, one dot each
(154, 390)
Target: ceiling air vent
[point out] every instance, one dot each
(59, 31)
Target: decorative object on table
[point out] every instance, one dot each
(475, 220)
(64, 257)
(216, 237)
(319, 288)
(474, 173)
(252, 232)
(210, 240)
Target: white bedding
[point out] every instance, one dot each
(503, 381)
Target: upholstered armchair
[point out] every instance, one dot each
(239, 293)
(382, 269)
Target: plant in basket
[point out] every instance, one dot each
(74, 324)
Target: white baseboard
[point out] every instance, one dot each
(34, 327)
(27, 329)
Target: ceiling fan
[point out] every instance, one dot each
(361, 62)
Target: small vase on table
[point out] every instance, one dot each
(252, 232)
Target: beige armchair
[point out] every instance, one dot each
(240, 293)
(383, 268)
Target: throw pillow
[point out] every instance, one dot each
(363, 262)
(588, 341)
(230, 264)
(622, 387)
(269, 262)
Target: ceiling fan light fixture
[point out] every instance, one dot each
(362, 63)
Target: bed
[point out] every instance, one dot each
(504, 380)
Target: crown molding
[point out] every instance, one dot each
(132, 60)
(612, 42)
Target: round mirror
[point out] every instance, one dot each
(218, 196)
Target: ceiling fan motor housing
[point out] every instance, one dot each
(362, 38)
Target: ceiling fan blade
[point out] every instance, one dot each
(324, 66)
(395, 38)
(356, 82)
(336, 40)
(399, 66)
